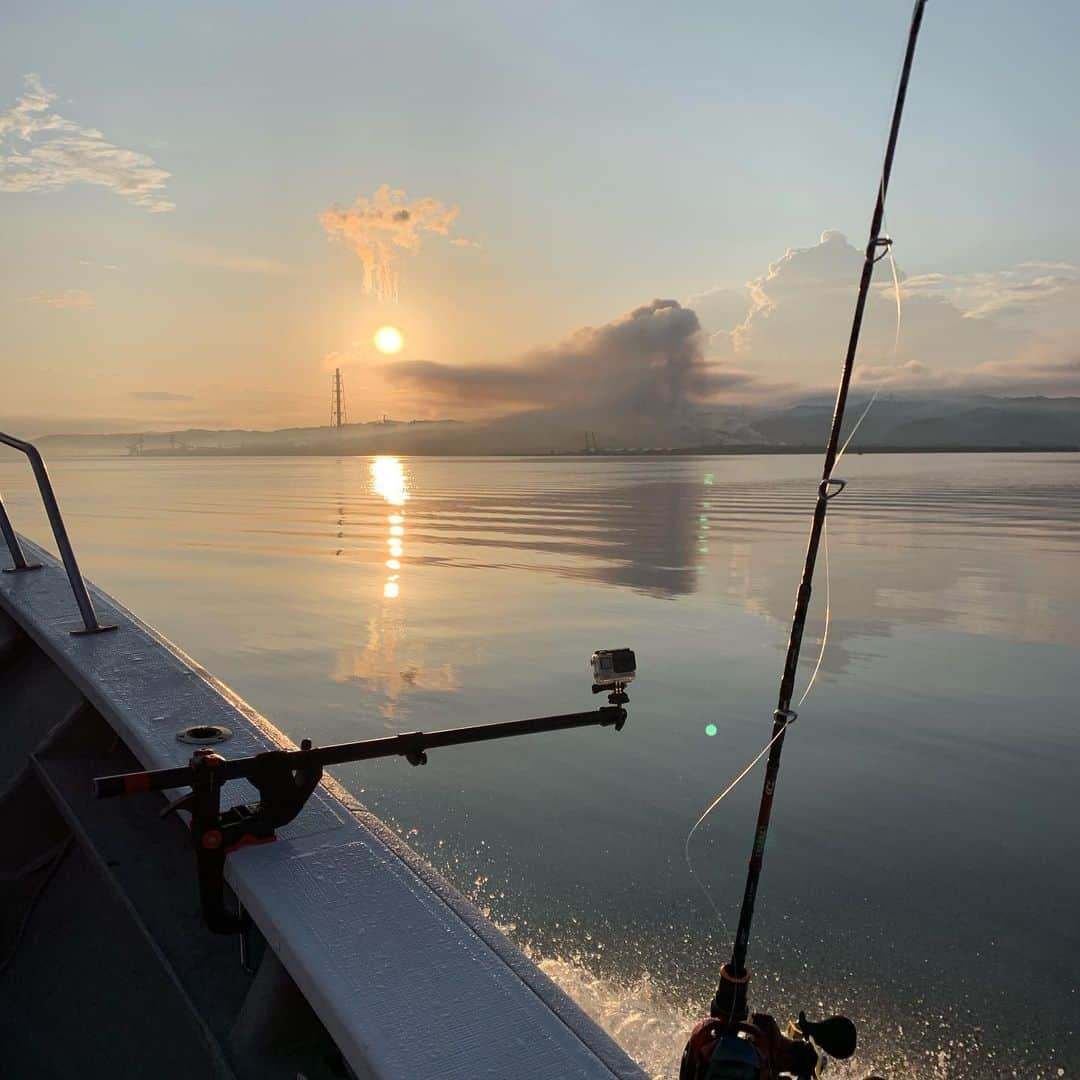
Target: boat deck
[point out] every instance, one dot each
(403, 976)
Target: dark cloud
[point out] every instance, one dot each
(476, 384)
(648, 360)
(720, 381)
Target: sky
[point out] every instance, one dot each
(208, 207)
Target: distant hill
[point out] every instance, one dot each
(893, 423)
(938, 423)
(350, 438)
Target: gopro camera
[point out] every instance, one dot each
(612, 667)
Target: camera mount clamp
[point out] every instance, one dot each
(285, 780)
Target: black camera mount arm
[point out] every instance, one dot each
(286, 778)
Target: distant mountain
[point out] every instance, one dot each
(934, 423)
(893, 423)
(373, 437)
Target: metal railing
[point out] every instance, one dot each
(63, 544)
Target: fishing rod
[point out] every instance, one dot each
(728, 1011)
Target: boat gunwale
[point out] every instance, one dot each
(121, 673)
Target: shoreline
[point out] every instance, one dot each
(695, 451)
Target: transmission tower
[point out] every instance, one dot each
(337, 400)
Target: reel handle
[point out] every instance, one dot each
(835, 1035)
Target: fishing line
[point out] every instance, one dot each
(711, 807)
(828, 613)
(768, 746)
(896, 287)
(895, 350)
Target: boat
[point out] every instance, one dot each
(353, 956)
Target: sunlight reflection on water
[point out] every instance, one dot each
(388, 480)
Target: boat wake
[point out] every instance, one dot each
(649, 1028)
(652, 1028)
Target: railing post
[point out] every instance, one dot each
(63, 543)
(12, 541)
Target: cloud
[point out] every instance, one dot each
(1039, 370)
(799, 315)
(648, 361)
(234, 262)
(379, 229)
(720, 310)
(159, 395)
(42, 151)
(1033, 293)
(66, 298)
(1007, 331)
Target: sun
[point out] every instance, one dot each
(388, 339)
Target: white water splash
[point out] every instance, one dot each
(651, 1023)
(652, 1029)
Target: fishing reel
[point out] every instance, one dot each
(720, 1049)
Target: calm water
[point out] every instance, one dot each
(923, 870)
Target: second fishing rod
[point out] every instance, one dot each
(730, 1002)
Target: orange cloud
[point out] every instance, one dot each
(379, 229)
(68, 298)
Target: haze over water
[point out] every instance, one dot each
(922, 870)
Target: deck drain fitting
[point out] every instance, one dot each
(204, 734)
